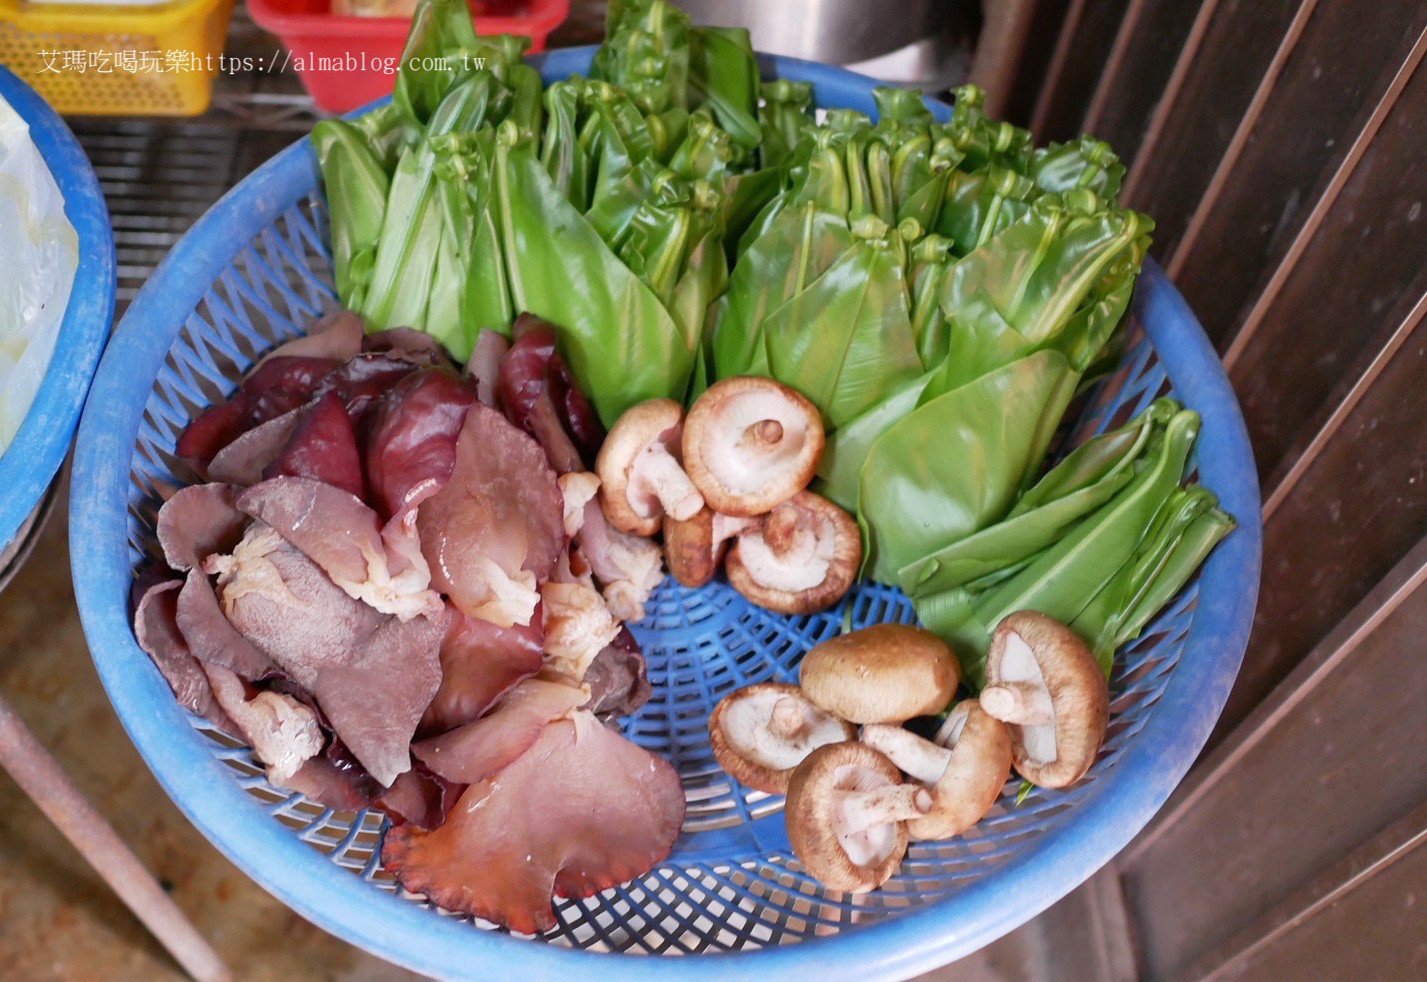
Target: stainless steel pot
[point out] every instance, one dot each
(840, 32)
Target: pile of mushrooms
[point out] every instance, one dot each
(855, 801)
(727, 484)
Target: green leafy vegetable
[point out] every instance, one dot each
(1063, 578)
(355, 177)
(954, 464)
(941, 291)
(1079, 484)
(646, 53)
(847, 338)
(621, 341)
(1189, 525)
(723, 77)
(785, 115)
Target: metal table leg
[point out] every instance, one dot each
(40, 777)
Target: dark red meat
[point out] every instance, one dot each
(371, 674)
(618, 678)
(344, 537)
(333, 785)
(211, 636)
(242, 461)
(274, 387)
(481, 749)
(198, 521)
(539, 394)
(337, 336)
(156, 628)
(479, 663)
(483, 368)
(366, 378)
(411, 443)
(581, 811)
(497, 527)
(419, 797)
(322, 446)
(414, 346)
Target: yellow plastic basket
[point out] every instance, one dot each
(117, 61)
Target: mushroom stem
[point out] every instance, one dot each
(922, 760)
(765, 432)
(780, 529)
(667, 480)
(1021, 703)
(727, 527)
(858, 811)
(787, 718)
(949, 733)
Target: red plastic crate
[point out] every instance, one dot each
(346, 62)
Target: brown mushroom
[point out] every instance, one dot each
(641, 478)
(965, 769)
(800, 559)
(1043, 681)
(846, 813)
(694, 549)
(751, 443)
(761, 732)
(886, 673)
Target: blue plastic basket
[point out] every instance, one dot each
(37, 452)
(252, 272)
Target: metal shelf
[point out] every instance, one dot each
(159, 174)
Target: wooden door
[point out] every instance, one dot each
(1281, 146)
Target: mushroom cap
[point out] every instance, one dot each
(654, 421)
(978, 770)
(751, 750)
(689, 548)
(811, 815)
(802, 559)
(1079, 694)
(886, 673)
(737, 457)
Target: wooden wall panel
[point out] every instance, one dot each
(1280, 149)
(1322, 98)
(1195, 122)
(1362, 919)
(1047, 27)
(1356, 507)
(1334, 304)
(1332, 759)
(1078, 59)
(1145, 53)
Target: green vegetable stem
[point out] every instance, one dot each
(1082, 482)
(785, 114)
(1063, 578)
(358, 185)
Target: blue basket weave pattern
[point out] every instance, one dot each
(252, 274)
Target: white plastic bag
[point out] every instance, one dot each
(39, 253)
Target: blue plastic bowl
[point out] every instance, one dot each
(253, 271)
(34, 457)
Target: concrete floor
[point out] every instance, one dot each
(58, 920)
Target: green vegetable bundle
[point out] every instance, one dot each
(410, 183)
(1101, 542)
(477, 194)
(941, 291)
